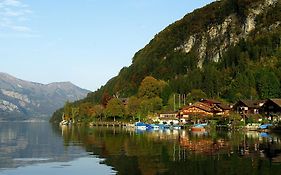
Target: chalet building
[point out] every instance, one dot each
(197, 108)
(217, 107)
(272, 107)
(210, 102)
(222, 110)
(206, 107)
(249, 106)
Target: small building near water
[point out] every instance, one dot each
(272, 108)
(168, 118)
(171, 118)
(249, 106)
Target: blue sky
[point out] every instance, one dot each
(86, 42)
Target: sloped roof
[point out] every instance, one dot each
(252, 103)
(277, 101)
(223, 106)
(211, 101)
(200, 105)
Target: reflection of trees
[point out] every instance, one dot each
(206, 146)
(174, 152)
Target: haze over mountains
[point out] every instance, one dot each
(21, 99)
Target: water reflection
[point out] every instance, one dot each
(27, 148)
(39, 147)
(131, 151)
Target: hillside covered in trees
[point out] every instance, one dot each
(228, 50)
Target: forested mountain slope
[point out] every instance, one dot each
(229, 49)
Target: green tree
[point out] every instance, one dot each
(115, 108)
(133, 106)
(67, 110)
(196, 95)
(151, 87)
(98, 111)
(268, 85)
(150, 106)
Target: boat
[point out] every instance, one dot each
(163, 126)
(199, 127)
(265, 127)
(177, 127)
(140, 126)
(64, 123)
(155, 127)
(252, 126)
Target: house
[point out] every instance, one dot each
(272, 108)
(218, 107)
(222, 109)
(168, 118)
(197, 108)
(206, 107)
(249, 106)
(210, 102)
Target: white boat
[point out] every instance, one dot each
(140, 126)
(155, 127)
(64, 122)
(177, 127)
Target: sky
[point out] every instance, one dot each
(85, 42)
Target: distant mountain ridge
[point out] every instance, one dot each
(20, 99)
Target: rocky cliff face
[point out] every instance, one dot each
(21, 99)
(217, 38)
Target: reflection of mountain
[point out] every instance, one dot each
(28, 143)
(176, 152)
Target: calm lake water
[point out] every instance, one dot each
(40, 148)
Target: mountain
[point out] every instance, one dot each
(229, 49)
(209, 49)
(21, 99)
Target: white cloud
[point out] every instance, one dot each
(14, 15)
(21, 29)
(15, 3)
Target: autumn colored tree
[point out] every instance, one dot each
(105, 98)
(86, 109)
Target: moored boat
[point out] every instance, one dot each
(140, 126)
(64, 122)
(199, 127)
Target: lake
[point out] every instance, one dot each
(40, 148)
